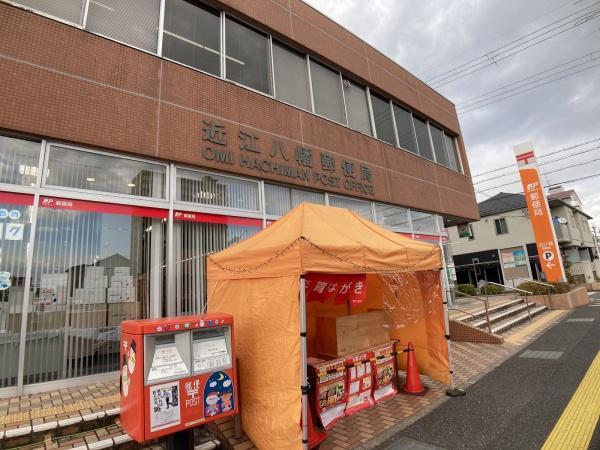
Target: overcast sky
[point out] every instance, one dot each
(429, 38)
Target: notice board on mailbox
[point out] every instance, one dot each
(176, 373)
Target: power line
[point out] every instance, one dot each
(542, 164)
(554, 171)
(511, 49)
(529, 89)
(481, 98)
(545, 155)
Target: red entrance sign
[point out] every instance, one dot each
(343, 289)
(190, 216)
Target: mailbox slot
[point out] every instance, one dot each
(168, 357)
(211, 349)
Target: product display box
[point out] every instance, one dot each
(343, 335)
(385, 371)
(360, 381)
(329, 392)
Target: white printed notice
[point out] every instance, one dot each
(210, 354)
(167, 362)
(164, 406)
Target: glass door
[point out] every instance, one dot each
(94, 265)
(15, 230)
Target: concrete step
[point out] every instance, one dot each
(502, 315)
(513, 321)
(481, 312)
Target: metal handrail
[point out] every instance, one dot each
(517, 290)
(543, 284)
(485, 303)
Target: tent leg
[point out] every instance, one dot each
(303, 367)
(444, 286)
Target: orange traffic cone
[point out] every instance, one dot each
(413, 384)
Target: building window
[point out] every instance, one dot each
(472, 235)
(192, 35)
(423, 140)
(392, 216)
(452, 153)
(357, 107)
(134, 22)
(328, 99)
(19, 160)
(193, 242)
(69, 10)
(501, 227)
(104, 173)
(423, 222)
(291, 77)
(15, 228)
(247, 56)
(279, 200)
(382, 113)
(360, 207)
(437, 137)
(217, 190)
(94, 265)
(406, 131)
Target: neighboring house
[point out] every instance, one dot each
(501, 246)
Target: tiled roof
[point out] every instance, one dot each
(501, 202)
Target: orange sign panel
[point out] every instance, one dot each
(539, 213)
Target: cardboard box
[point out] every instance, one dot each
(121, 294)
(118, 312)
(339, 336)
(120, 271)
(94, 281)
(121, 281)
(50, 280)
(89, 296)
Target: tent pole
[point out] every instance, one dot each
(303, 362)
(445, 285)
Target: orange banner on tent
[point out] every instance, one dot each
(539, 213)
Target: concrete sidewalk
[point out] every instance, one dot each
(518, 405)
(87, 417)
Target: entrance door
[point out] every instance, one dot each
(94, 265)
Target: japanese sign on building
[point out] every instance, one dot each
(247, 150)
(539, 213)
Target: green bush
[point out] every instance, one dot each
(491, 289)
(467, 288)
(539, 289)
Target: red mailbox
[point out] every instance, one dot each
(176, 373)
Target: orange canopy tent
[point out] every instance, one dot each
(260, 281)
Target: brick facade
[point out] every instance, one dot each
(65, 84)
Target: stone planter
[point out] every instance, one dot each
(595, 286)
(573, 299)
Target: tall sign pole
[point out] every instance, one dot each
(539, 213)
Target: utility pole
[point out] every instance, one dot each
(596, 232)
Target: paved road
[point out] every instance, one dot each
(517, 405)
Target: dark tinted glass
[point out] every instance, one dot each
(437, 136)
(382, 114)
(406, 132)
(247, 56)
(425, 149)
(327, 91)
(192, 35)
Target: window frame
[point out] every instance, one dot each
(498, 226)
(90, 193)
(310, 58)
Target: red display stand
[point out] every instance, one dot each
(176, 373)
(384, 359)
(329, 394)
(360, 382)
